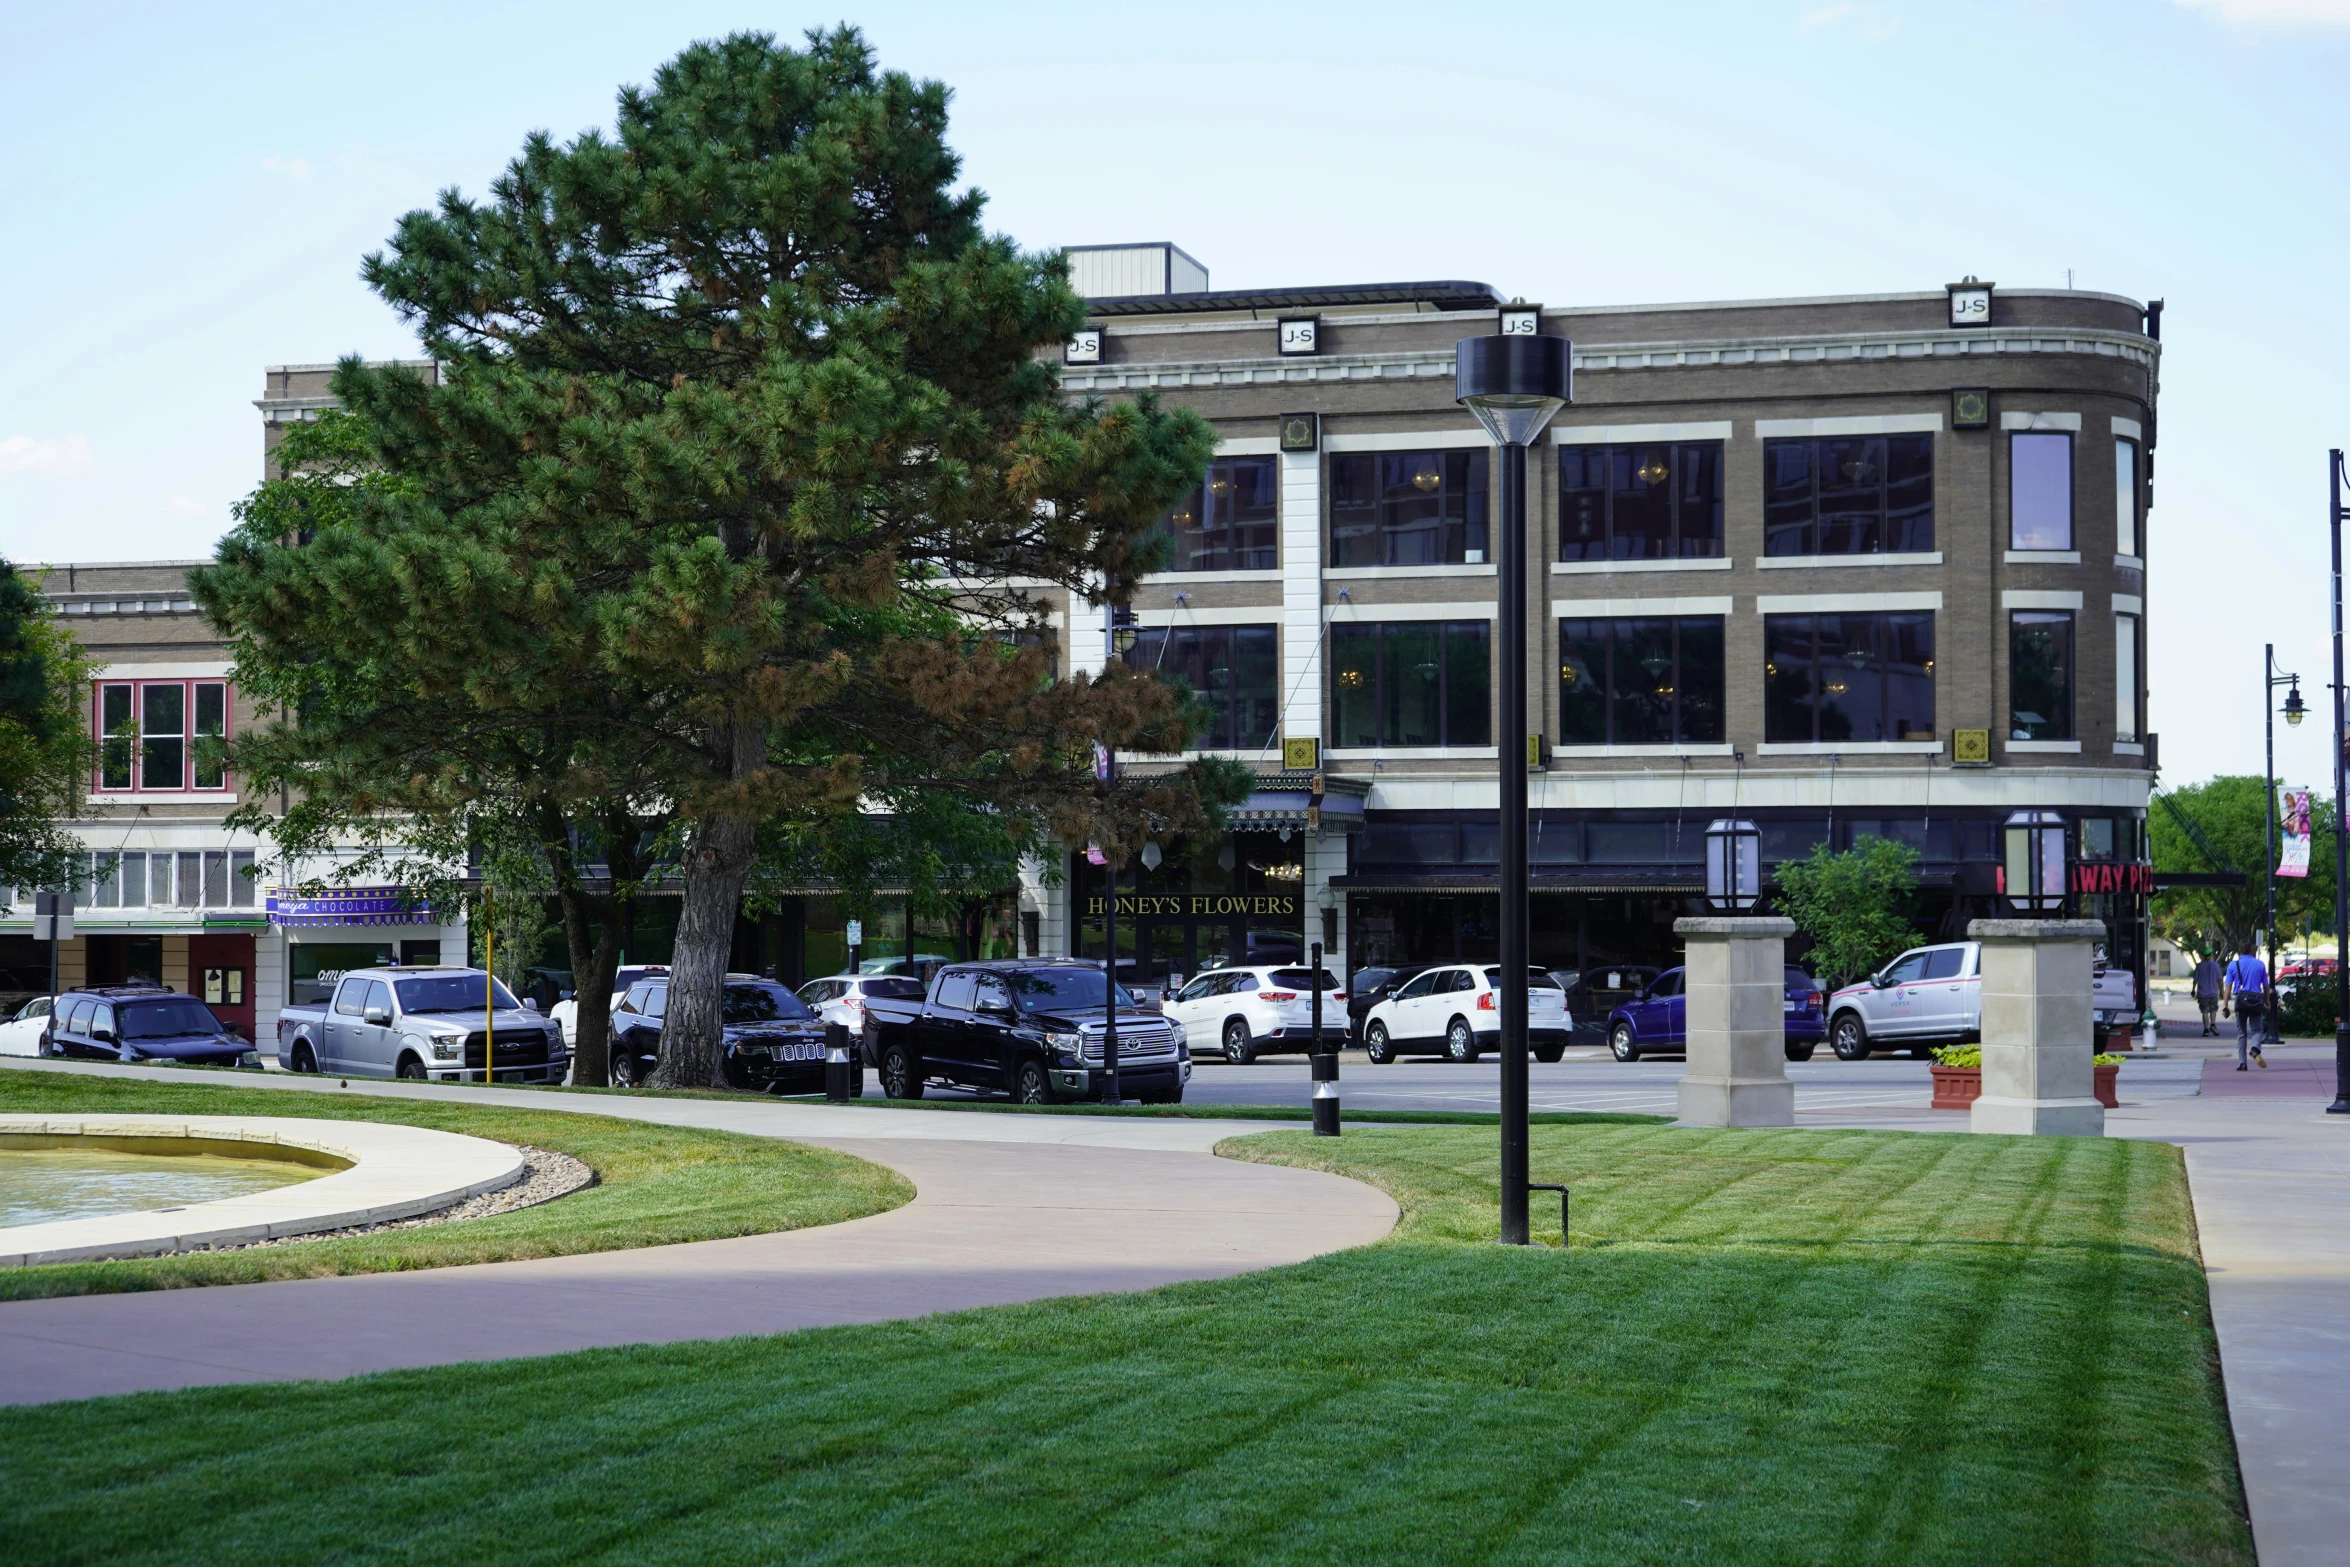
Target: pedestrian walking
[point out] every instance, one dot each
(2207, 985)
(2247, 982)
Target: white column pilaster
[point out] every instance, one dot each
(2038, 1078)
(1301, 595)
(1735, 986)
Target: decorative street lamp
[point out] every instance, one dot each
(1120, 631)
(2270, 1034)
(1513, 384)
(2341, 1105)
(1733, 864)
(2035, 861)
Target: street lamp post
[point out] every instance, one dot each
(2270, 1033)
(1118, 635)
(2341, 1104)
(1513, 384)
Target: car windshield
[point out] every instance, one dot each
(453, 993)
(1536, 979)
(762, 1004)
(1299, 979)
(167, 1019)
(1045, 990)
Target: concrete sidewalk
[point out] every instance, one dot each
(1008, 1208)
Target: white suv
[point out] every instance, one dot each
(1456, 1011)
(841, 997)
(1935, 994)
(1254, 1010)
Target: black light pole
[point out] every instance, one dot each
(1513, 384)
(1118, 634)
(2270, 1033)
(2341, 1104)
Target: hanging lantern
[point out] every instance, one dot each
(1733, 864)
(2033, 871)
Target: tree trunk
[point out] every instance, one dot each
(717, 864)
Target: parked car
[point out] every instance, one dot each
(768, 1037)
(1259, 1011)
(1454, 1011)
(1657, 1020)
(1593, 994)
(421, 1023)
(921, 966)
(21, 1034)
(565, 1012)
(1934, 995)
(840, 998)
(142, 1023)
(1370, 986)
(1030, 1028)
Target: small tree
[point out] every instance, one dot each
(2217, 825)
(1852, 905)
(45, 745)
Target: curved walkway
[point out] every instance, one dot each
(1007, 1208)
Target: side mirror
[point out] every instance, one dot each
(995, 1008)
(530, 1003)
(104, 1036)
(568, 995)
(377, 1017)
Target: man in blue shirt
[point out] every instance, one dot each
(2248, 979)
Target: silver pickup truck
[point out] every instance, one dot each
(423, 1023)
(1934, 995)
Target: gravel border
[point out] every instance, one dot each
(546, 1175)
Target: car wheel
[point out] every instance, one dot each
(410, 1068)
(899, 1080)
(1799, 1052)
(1032, 1086)
(304, 1061)
(1376, 1046)
(1849, 1038)
(1624, 1043)
(622, 1071)
(1239, 1048)
(1460, 1042)
(1550, 1053)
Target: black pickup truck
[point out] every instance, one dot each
(1032, 1029)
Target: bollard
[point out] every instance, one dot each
(836, 1063)
(1325, 1060)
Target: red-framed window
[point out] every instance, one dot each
(161, 736)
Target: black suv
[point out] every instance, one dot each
(142, 1023)
(769, 1038)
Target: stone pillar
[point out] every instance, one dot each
(2037, 1036)
(1736, 985)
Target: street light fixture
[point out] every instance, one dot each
(1513, 385)
(2034, 863)
(1733, 864)
(2341, 1104)
(2270, 1032)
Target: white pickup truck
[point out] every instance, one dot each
(1934, 995)
(424, 1023)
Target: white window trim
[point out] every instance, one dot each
(2044, 747)
(1815, 562)
(166, 796)
(2038, 598)
(2128, 427)
(117, 673)
(2128, 604)
(2042, 421)
(1602, 609)
(1610, 568)
(1375, 613)
(1628, 434)
(1248, 446)
(1186, 615)
(1852, 748)
(1843, 603)
(2136, 563)
(1410, 753)
(1403, 573)
(2123, 748)
(1854, 424)
(2043, 557)
(1453, 439)
(1179, 580)
(1598, 752)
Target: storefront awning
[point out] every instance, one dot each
(348, 906)
(1283, 799)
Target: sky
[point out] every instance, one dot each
(188, 192)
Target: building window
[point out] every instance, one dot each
(2125, 678)
(1848, 677)
(1411, 683)
(1408, 509)
(1641, 682)
(2125, 496)
(1848, 495)
(2040, 674)
(208, 879)
(162, 735)
(1640, 502)
(2040, 490)
(1231, 522)
(1235, 669)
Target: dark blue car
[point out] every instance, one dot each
(1656, 1021)
(142, 1023)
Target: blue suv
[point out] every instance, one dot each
(142, 1023)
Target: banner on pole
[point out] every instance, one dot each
(2294, 860)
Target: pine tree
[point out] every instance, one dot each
(45, 747)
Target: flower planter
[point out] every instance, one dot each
(1958, 1087)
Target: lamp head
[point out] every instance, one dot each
(1513, 384)
(2294, 706)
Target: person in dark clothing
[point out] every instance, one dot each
(2207, 988)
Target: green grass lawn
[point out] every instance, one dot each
(1763, 1347)
(655, 1184)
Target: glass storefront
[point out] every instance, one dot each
(314, 967)
(1240, 900)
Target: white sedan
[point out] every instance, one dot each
(21, 1034)
(840, 998)
(565, 1014)
(1456, 1012)
(1254, 1010)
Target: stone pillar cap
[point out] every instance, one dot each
(2036, 930)
(1739, 925)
